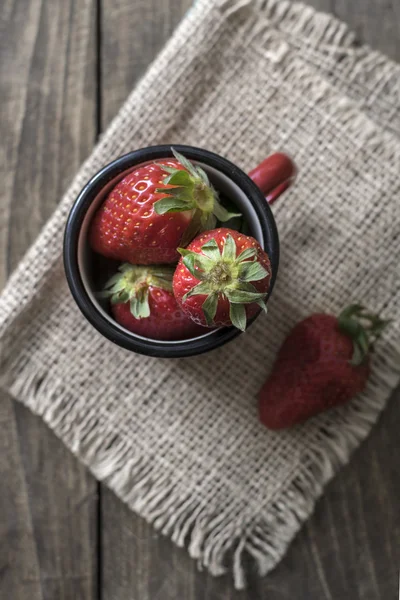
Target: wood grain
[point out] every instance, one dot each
(65, 68)
(48, 506)
(348, 549)
(376, 22)
(132, 34)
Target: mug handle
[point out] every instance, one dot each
(274, 175)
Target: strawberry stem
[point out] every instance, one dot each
(221, 272)
(192, 191)
(131, 284)
(363, 328)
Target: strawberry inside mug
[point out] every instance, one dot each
(87, 274)
(127, 226)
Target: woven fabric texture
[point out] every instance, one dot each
(179, 441)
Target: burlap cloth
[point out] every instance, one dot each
(179, 441)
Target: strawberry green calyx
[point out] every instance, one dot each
(192, 191)
(363, 328)
(223, 274)
(131, 284)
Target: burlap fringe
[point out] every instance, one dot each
(215, 540)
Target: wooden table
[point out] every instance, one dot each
(66, 66)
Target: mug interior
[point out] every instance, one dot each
(95, 270)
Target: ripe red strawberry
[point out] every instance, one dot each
(222, 278)
(142, 301)
(153, 210)
(324, 362)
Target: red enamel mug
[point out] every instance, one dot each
(252, 194)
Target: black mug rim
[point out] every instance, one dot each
(75, 220)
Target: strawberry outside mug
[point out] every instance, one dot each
(252, 194)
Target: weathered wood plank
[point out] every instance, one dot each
(62, 504)
(48, 506)
(132, 34)
(48, 92)
(348, 550)
(19, 562)
(376, 22)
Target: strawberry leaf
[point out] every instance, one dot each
(246, 254)
(162, 272)
(363, 328)
(237, 314)
(262, 305)
(203, 262)
(118, 286)
(184, 162)
(196, 264)
(168, 205)
(190, 263)
(167, 168)
(358, 356)
(202, 174)
(120, 298)
(246, 287)
(351, 311)
(362, 341)
(210, 308)
(179, 193)
(252, 271)
(243, 297)
(229, 249)
(349, 326)
(125, 267)
(139, 305)
(179, 178)
(175, 192)
(113, 280)
(163, 282)
(221, 213)
(211, 250)
(200, 289)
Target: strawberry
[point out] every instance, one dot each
(153, 210)
(324, 362)
(142, 301)
(222, 278)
